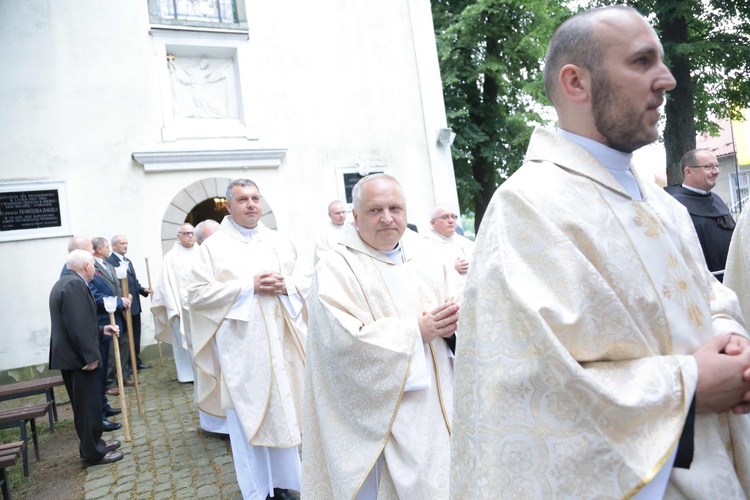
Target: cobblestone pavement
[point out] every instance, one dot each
(169, 456)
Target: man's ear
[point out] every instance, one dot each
(575, 83)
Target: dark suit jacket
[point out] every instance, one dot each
(102, 287)
(74, 334)
(135, 288)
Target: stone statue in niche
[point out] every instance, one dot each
(203, 87)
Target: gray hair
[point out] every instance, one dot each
(357, 190)
(77, 258)
(575, 42)
(205, 229)
(116, 237)
(241, 183)
(98, 242)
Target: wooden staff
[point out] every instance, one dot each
(120, 384)
(129, 322)
(158, 342)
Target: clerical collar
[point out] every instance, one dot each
(121, 257)
(695, 190)
(251, 233)
(447, 239)
(396, 255)
(617, 162)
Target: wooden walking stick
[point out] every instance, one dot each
(110, 304)
(158, 342)
(122, 273)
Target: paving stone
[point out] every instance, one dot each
(169, 455)
(208, 491)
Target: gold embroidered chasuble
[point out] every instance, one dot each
(737, 275)
(363, 339)
(572, 373)
(255, 367)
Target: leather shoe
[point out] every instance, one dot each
(110, 426)
(112, 391)
(144, 366)
(129, 383)
(112, 445)
(284, 494)
(111, 412)
(111, 456)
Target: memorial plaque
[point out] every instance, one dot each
(34, 209)
(350, 180)
(30, 210)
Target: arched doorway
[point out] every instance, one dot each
(201, 200)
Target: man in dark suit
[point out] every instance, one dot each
(74, 350)
(105, 283)
(119, 249)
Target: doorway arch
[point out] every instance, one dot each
(201, 200)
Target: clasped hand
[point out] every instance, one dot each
(269, 282)
(440, 322)
(723, 375)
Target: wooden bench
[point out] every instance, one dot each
(32, 388)
(8, 455)
(19, 417)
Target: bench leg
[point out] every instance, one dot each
(4, 483)
(53, 413)
(35, 439)
(25, 449)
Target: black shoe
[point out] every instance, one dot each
(111, 456)
(110, 426)
(112, 445)
(111, 412)
(284, 494)
(143, 366)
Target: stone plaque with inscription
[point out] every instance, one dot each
(29, 210)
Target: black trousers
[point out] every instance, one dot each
(84, 390)
(104, 347)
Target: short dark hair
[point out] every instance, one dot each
(574, 43)
(242, 183)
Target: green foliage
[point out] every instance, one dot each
(490, 55)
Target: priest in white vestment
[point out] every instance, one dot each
(170, 308)
(248, 335)
(737, 274)
(457, 249)
(329, 236)
(599, 358)
(379, 377)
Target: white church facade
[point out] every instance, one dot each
(124, 117)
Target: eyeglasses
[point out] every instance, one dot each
(707, 168)
(186, 233)
(447, 216)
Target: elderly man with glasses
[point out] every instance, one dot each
(712, 220)
(456, 248)
(170, 305)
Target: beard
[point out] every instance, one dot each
(620, 123)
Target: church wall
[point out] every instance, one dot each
(334, 83)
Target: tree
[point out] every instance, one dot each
(490, 58)
(707, 48)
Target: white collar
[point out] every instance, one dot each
(610, 158)
(396, 255)
(121, 257)
(695, 190)
(247, 233)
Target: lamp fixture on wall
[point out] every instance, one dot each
(446, 136)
